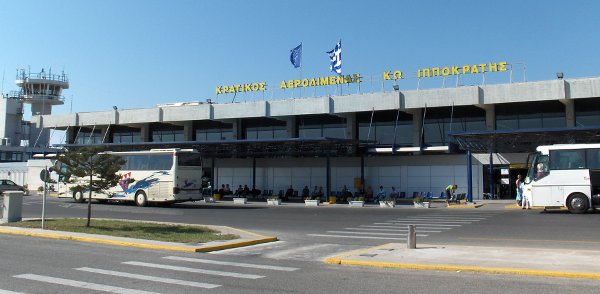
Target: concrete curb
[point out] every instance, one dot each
(514, 206)
(343, 259)
(468, 206)
(490, 270)
(139, 243)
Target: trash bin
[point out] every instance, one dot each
(332, 199)
(13, 203)
(217, 197)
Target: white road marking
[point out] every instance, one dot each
(296, 251)
(434, 221)
(371, 233)
(442, 219)
(194, 270)
(79, 284)
(391, 230)
(355, 237)
(148, 278)
(398, 223)
(406, 229)
(247, 265)
(250, 248)
(9, 292)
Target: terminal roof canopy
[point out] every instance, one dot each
(248, 148)
(524, 140)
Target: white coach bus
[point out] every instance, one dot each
(158, 175)
(565, 175)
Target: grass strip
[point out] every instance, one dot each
(129, 229)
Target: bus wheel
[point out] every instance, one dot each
(78, 197)
(141, 199)
(578, 203)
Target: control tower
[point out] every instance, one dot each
(42, 90)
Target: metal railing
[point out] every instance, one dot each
(22, 75)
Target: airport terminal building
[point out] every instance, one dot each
(417, 140)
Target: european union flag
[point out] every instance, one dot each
(296, 56)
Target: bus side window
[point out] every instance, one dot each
(593, 158)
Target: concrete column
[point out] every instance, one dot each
(188, 131)
(417, 124)
(351, 126)
(71, 133)
(236, 129)
(291, 127)
(145, 132)
(490, 117)
(569, 112)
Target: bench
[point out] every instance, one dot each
(460, 197)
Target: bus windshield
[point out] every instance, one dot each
(538, 168)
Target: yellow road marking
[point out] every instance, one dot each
(531, 240)
(491, 270)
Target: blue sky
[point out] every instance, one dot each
(136, 54)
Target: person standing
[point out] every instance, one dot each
(525, 201)
(519, 189)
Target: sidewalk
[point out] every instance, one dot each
(246, 238)
(578, 264)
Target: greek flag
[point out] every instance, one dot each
(335, 56)
(296, 56)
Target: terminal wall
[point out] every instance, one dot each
(299, 106)
(441, 97)
(69, 119)
(133, 116)
(584, 88)
(240, 110)
(186, 113)
(365, 102)
(427, 173)
(97, 118)
(521, 92)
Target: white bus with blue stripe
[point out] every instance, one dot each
(156, 176)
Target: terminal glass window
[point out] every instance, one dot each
(218, 134)
(383, 132)
(88, 137)
(127, 137)
(318, 126)
(322, 130)
(441, 121)
(269, 132)
(587, 112)
(167, 135)
(529, 115)
(8, 156)
(334, 131)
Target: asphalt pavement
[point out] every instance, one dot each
(487, 259)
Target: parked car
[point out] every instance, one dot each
(8, 185)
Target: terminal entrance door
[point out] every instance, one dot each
(504, 177)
